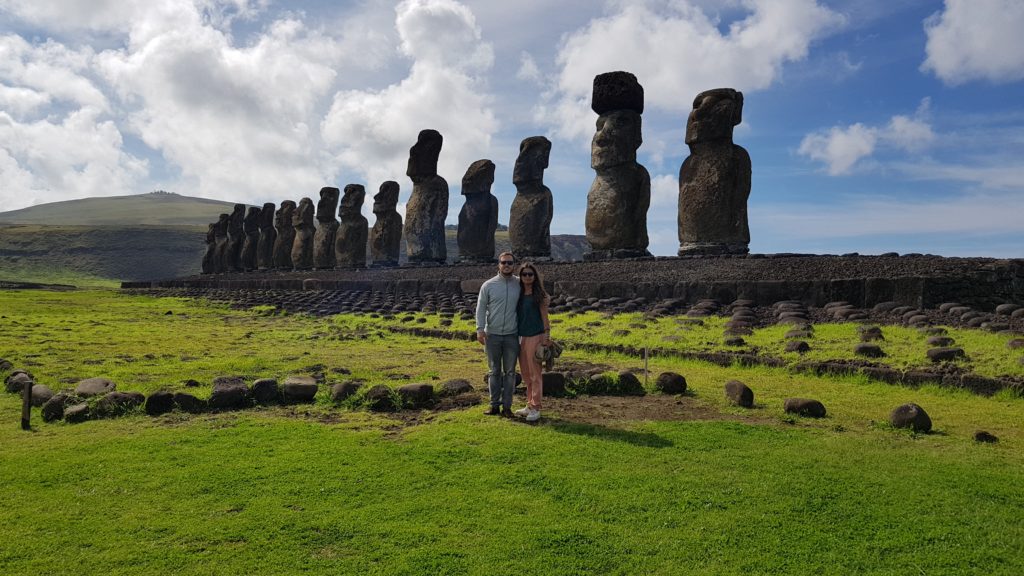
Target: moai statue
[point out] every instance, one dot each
(236, 238)
(350, 248)
(211, 248)
(265, 249)
(529, 224)
(478, 218)
(428, 206)
(285, 235)
(251, 226)
(302, 248)
(714, 180)
(617, 203)
(221, 244)
(327, 228)
(386, 235)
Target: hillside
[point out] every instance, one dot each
(153, 209)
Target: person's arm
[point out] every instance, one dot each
(481, 314)
(544, 320)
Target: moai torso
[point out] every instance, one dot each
(478, 219)
(350, 247)
(427, 208)
(251, 225)
(327, 228)
(285, 235)
(616, 221)
(221, 245)
(236, 238)
(211, 248)
(714, 180)
(265, 248)
(529, 223)
(386, 236)
(302, 247)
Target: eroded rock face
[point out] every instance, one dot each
(428, 206)
(236, 238)
(714, 181)
(478, 218)
(302, 247)
(529, 225)
(350, 248)
(211, 249)
(386, 236)
(616, 221)
(327, 228)
(268, 236)
(285, 235)
(251, 227)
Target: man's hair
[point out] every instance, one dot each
(506, 253)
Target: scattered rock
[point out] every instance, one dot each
(189, 403)
(1007, 309)
(868, 350)
(910, 416)
(871, 334)
(945, 354)
(118, 403)
(5, 365)
(265, 391)
(192, 383)
(380, 399)
(94, 387)
(629, 384)
(940, 341)
(670, 383)
(798, 346)
(416, 395)
(804, 407)
(739, 394)
(229, 393)
(77, 413)
(159, 403)
(53, 409)
(1015, 344)
(17, 381)
(343, 390)
(299, 389)
(41, 394)
(986, 437)
(735, 341)
(553, 384)
(456, 387)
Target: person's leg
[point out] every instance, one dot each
(529, 368)
(496, 376)
(510, 351)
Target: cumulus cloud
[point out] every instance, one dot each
(676, 49)
(371, 131)
(976, 40)
(840, 148)
(51, 69)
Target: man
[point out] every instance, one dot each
(497, 330)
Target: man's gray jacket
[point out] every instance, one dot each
(496, 305)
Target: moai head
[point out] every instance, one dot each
(237, 218)
(714, 114)
(423, 155)
(267, 216)
(211, 233)
(386, 199)
(352, 202)
(252, 219)
(221, 227)
(328, 204)
(617, 138)
(283, 217)
(532, 161)
(303, 213)
(478, 178)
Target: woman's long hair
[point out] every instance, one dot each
(539, 294)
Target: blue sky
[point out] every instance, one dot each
(872, 126)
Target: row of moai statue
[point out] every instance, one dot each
(714, 184)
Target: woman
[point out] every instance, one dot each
(534, 329)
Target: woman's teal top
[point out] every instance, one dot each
(528, 316)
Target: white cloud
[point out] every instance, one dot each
(21, 101)
(372, 131)
(528, 69)
(841, 148)
(976, 40)
(50, 68)
(676, 51)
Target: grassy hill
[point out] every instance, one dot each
(102, 241)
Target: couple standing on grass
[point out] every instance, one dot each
(511, 322)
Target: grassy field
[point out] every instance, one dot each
(598, 487)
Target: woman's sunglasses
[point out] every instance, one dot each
(527, 274)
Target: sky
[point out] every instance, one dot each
(872, 125)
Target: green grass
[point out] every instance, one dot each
(326, 490)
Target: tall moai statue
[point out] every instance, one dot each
(211, 248)
(251, 226)
(386, 235)
(327, 228)
(265, 249)
(714, 180)
(428, 206)
(236, 239)
(616, 222)
(285, 235)
(350, 248)
(302, 247)
(478, 218)
(221, 244)
(529, 224)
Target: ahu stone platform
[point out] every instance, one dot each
(916, 280)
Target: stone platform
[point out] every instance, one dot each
(916, 280)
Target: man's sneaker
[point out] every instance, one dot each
(522, 411)
(533, 415)
(494, 411)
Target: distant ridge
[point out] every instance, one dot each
(153, 209)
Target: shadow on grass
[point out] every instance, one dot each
(604, 433)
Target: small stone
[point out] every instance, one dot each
(416, 395)
(41, 394)
(553, 384)
(379, 399)
(159, 403)
(1007, 309)
(1015, 344)
(945, 354)
(189, 403)
(910, 416)
(456, 387)
(804, 407)
(118, 403)
(868, 350)
(343, 390)
(229, 393)
(670, 383)
(266, 391)
(77, 413)
(985, 437)
(735, 341)
(16, 382)
(739, 394)
(871, 334)
(53, 409)
(798, 346)
(94, 387)
(299, 389)
(940, 341)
